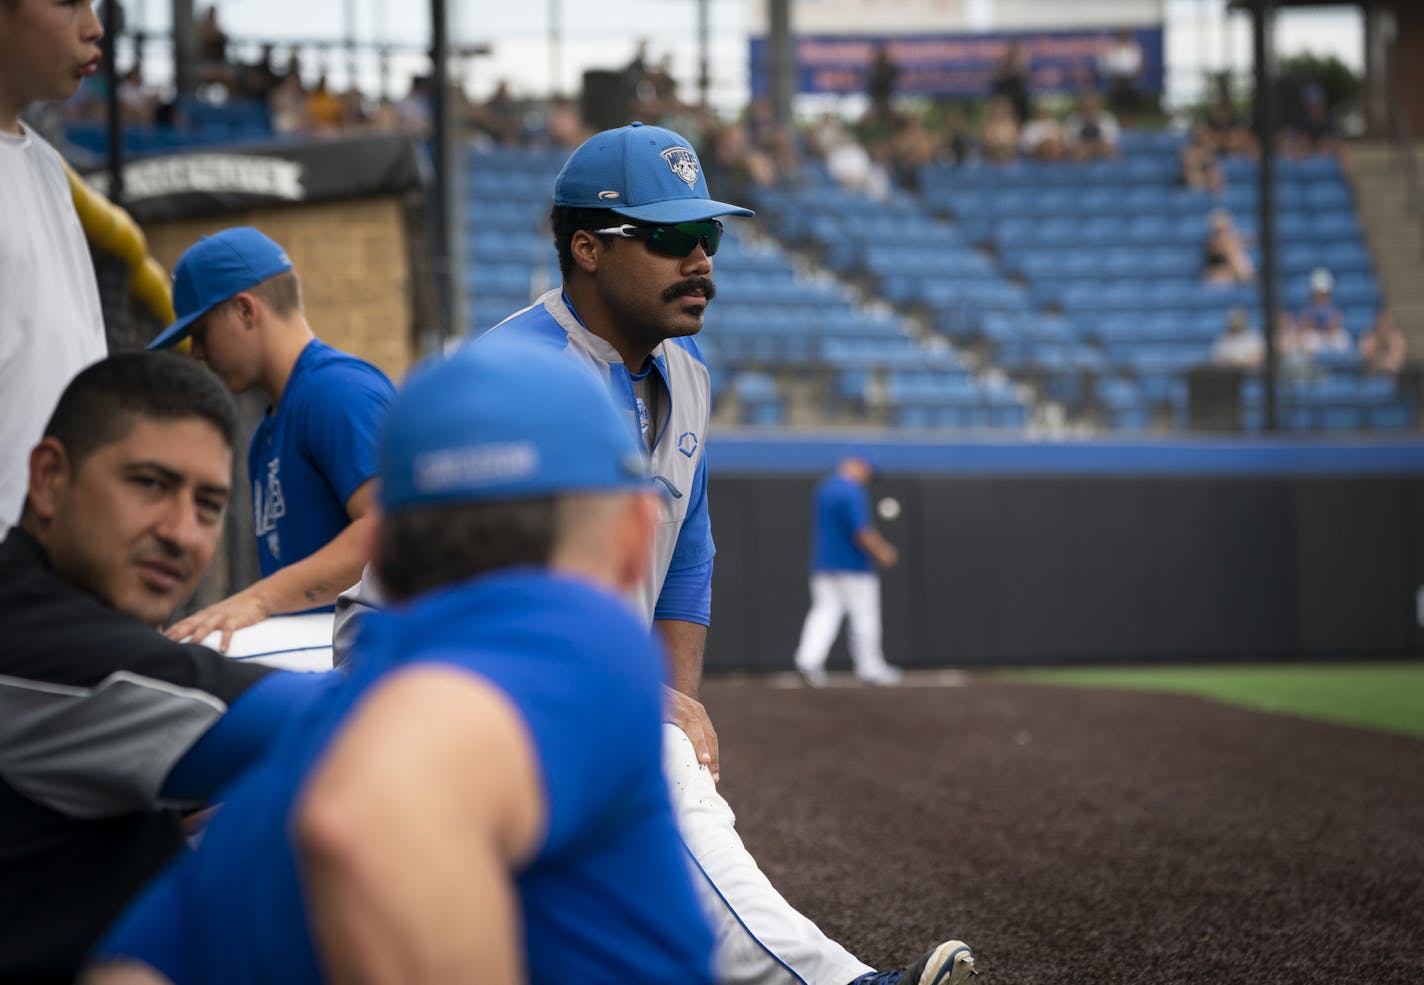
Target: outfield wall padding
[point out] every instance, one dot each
(1320, 557)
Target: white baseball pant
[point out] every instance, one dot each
(834, 596)
(761, 938)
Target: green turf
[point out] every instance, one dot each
(1388, 697)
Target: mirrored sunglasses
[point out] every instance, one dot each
(675, 240)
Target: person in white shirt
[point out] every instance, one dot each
(1092, 131)
(51, 323)
(1240, 346)
(1120, 69)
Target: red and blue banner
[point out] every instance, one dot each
(956, 65)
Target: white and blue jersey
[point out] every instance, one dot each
(678, 381)
(608, 896)
(312, 451)
(842, 510)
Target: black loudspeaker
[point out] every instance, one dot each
(606, 98)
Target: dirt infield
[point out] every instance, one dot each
(1075, 835)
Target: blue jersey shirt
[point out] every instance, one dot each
(609, 892)
(312, 451)
(842, 508)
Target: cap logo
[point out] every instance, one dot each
(683, 164)
(606, 195)
(460, 469)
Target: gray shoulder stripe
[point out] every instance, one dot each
(96, 752)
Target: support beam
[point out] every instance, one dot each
(113, 27)
(445, 200)
(704, 51)
(185, 48)
(1263, 26)
(782, 55)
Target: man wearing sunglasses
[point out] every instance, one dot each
(636, 230)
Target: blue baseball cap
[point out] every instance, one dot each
(504, 420)
(642, 172)
(214, 269)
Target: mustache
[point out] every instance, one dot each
(691, 285)
(161, 550)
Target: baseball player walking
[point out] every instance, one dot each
(845, 550)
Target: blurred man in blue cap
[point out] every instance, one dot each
(846, 549)
(483, 801)
(636, 229)
(312, 460)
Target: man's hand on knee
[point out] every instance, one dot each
(689, 715)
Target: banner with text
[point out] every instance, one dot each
(958, 65)
(215, 180)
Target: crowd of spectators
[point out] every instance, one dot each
(1310, 341)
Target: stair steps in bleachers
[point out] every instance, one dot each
(1394, 231)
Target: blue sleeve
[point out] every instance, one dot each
(687, 596)
(342, 423)
(687, 589)
(243, 733)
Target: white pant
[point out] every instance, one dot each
(761, 938)
(835, 595)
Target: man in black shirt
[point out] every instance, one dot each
(107, 727)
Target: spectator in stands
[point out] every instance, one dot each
(1314, 131)
(1240, 346)
(847, 160)
(1225, 260)
(136, 104)
(287, 106)
(769, 136)
(736, 161)
(1092, 131)
(212, 50)
(498, 116)
(881, 79)
(955, 143)
(1200, 168)
(1043, 138)
(1295, 348)
(354, 111)
(1228, 130)
(563, 125)
(999, 138)
(1317, 330)
(1383, 348)
(912, 148)
(323, 107)
(260, 79)
(1011, 80)
(1120, 70)
(414, 109)
(1320, 316)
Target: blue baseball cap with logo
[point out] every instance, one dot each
(214, 269)
(504, 419)
(642, 172)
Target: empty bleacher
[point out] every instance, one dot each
(774, 325)
(1109, 255)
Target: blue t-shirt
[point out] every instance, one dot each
(609, 892)
(313, 451)
(842, 508)
(1319, 315)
